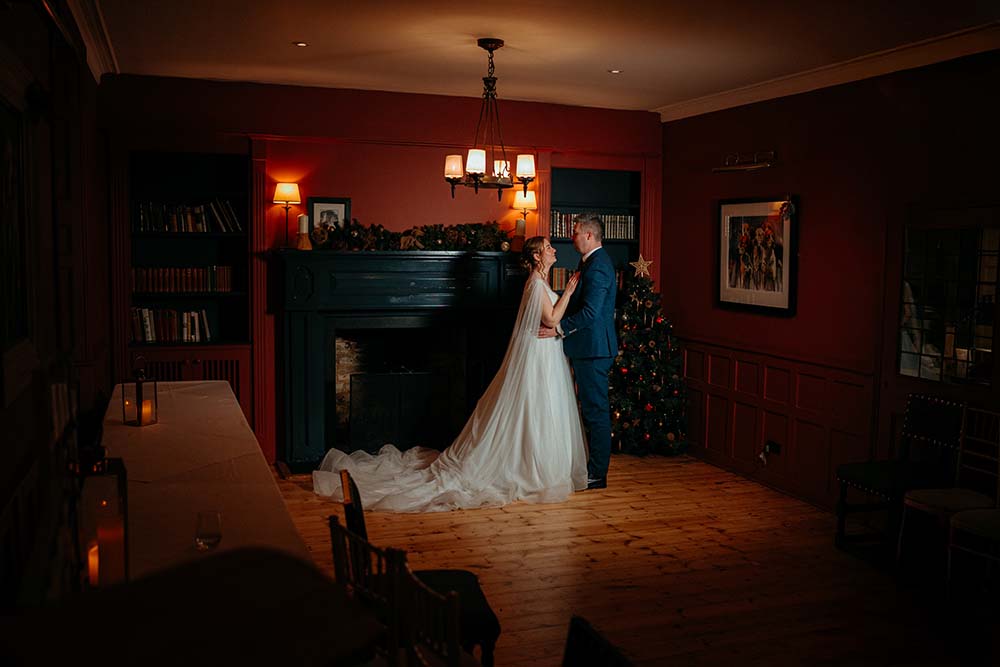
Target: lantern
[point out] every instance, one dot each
(103, 523)
(139, 401)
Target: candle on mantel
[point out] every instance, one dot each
(147, 412)
(303, 224)
(93, 564)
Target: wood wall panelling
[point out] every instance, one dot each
(718, 370)
(745, 432)
(829, 420)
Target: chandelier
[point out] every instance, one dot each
(485, 145)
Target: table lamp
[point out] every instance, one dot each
(287, 194)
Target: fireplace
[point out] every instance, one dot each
(406, 387)
(381, 347)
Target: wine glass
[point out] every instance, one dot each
(208, 533)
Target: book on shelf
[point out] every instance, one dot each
(209, 279)
(559, 276)
(617, 226)
(167, 325)
(205, 327)
(217, 215)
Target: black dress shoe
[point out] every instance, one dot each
(599, 483)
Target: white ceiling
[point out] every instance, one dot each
(678, 58)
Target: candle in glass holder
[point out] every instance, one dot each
(147, 412)
(93, 564)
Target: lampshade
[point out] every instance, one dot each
(525, 202)
(287, 193)
(526, 166)
(476, 162)
(453, 166)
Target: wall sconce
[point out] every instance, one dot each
(746, 162)
(287, 194)
(140, 403)
(104, 523)
(523, 202)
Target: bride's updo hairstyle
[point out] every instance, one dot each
(535, 244)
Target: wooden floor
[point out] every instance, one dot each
(677, 562)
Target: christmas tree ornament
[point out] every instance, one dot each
(504, 246)
(641, 267)
(670, 436)
(649, 407)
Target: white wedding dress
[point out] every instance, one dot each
(524, 441)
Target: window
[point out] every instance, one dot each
(948, 301)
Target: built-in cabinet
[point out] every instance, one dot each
(614, 195)
(182, 271)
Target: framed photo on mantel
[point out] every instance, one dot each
(328, 212)
(757, 255)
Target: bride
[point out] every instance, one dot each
(524, 441)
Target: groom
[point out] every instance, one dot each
(590, 342)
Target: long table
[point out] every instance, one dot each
(200, 456)
(255, 599)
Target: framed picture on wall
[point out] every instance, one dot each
(328, 212)
(757, 254)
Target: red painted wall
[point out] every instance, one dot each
(383, 150)
(858, 156)
(862, 158)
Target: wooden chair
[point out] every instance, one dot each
(372, 575)
(586, 647)
(977, 531)
(479, 623)
(976, 480)
(932, 432)
(432, 623)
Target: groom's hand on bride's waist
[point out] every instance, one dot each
(547, 332)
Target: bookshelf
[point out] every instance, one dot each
(186, 277)
(612, 194)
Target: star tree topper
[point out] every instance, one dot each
(641, 267)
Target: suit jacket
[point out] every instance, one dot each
(589, 323)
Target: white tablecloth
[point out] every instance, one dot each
(200, 456)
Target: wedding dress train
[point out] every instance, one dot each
(524, 441)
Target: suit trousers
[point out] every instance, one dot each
(591, 375)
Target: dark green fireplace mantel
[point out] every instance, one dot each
(322, 291)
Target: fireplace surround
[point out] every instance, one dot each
(472, 297)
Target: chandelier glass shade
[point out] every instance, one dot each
(488, 149)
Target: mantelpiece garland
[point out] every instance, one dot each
(355, 236)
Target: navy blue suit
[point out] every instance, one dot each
(591, 344)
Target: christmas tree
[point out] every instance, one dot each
(647, 389)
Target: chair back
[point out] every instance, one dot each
(354, 512)
(979, 458)
(372, 575)
(586, 647)
(933, 430)
(433, 623)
